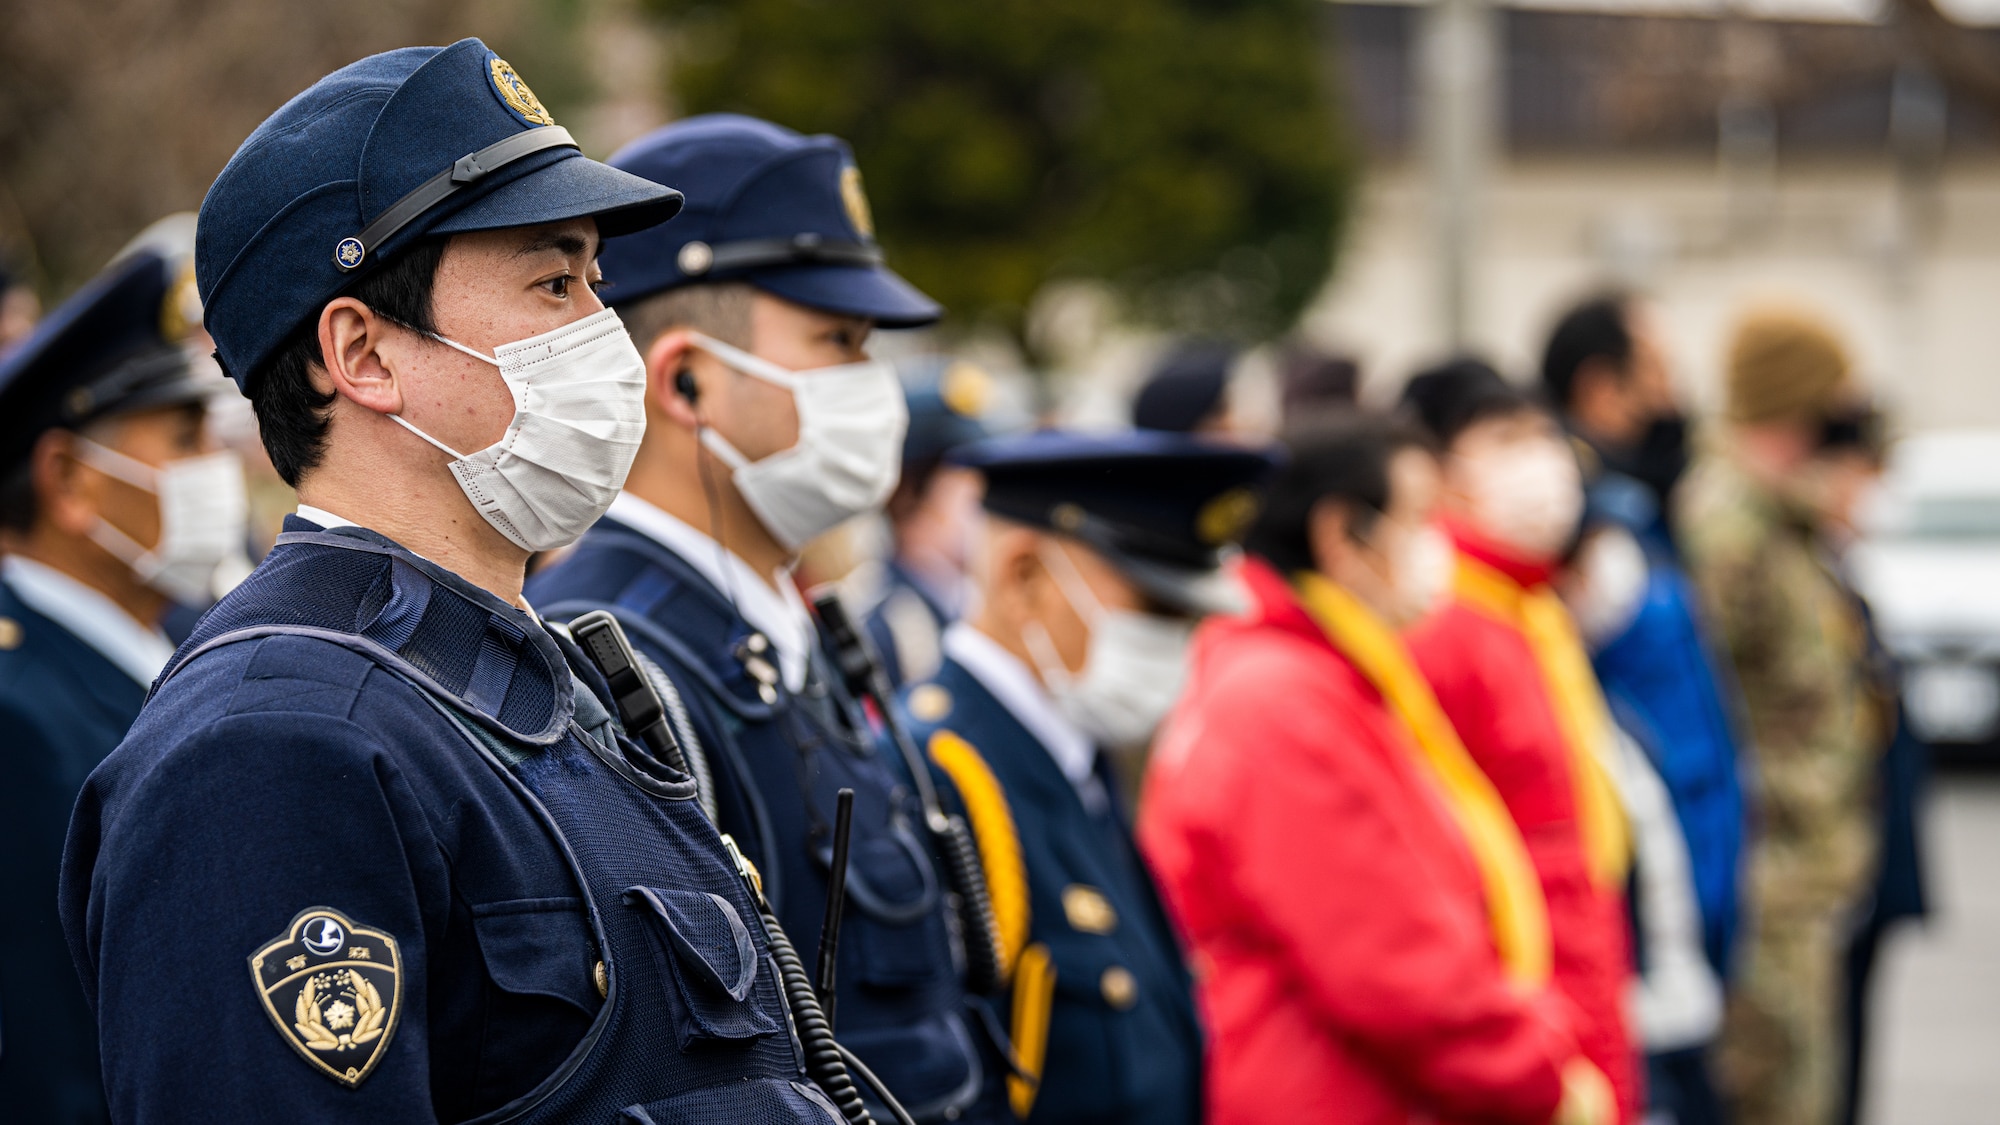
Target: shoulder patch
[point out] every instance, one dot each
(334, 989)
(929, 703)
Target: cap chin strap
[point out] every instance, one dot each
(464, 172)
(699, 259)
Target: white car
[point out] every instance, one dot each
(1931, 571)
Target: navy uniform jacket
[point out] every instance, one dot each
(778, 760)
(277, 776)
(1117, 1039)
(63, 706)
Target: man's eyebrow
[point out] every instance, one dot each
(566, 243)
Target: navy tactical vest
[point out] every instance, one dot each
(693, 1027)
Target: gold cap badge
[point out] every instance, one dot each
(965, 388)
(334, 989)
(856, 201)
(516, 94)
(1225, 518)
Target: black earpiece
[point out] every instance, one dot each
(684, 384)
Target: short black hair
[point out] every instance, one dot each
(291, 414)
(1334, 456)
(1452, 397)
(1595, 329)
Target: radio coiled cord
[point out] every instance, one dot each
(826, 1059)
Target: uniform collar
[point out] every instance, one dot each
(325, 519)
(1001, 673)
(780, 614)
(138, 650)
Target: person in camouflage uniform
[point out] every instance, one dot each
(1750, 516)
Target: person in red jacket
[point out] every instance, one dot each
(1365, 924)
(1507, 666)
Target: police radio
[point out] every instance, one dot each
(950, 836)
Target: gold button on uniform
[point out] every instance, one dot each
(10, 634)
(602, 978)
(1120, 990)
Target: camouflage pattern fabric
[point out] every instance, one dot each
(1798, 650)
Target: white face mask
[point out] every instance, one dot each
(848, 456)
(1609, 586)
(1423, 572)
(1527, 497)
(203, 516)
(1132, 673)
(579, 414)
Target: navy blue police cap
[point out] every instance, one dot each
(767, 206)
(118, 345)
(375, 156)
(947, 399)
(1165, 509)
(1186, 388)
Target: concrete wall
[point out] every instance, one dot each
(1911, 270)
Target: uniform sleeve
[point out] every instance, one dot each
(1327, 862)
(206, 860)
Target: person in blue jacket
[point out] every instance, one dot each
(767, 425)
(1605, 371)
(1100, 552)
(906, 599)
(377, 847)
(114, 501)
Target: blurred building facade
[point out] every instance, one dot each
(1699, 158)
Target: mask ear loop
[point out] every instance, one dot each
(1075, 590)
(711, 492)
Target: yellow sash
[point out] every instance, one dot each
(1579, 705)
(1515, 909)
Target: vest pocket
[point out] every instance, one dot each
(759, 1099)
(896, 926)
(539, 947)
(702, 945)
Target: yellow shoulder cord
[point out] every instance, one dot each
(1579, 705)
(999, 841)
(1517, 914)
(1034, 997)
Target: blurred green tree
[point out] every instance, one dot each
(119, 113)
(1186, 151)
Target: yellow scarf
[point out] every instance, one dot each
(1580, 709)
(1515, 909)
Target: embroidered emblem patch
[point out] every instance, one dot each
(1088, 910)
(334, 989)
(516, 94)
(856, 201)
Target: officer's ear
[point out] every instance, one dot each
(60, 498)
(1332, 532)
(363, 352)
(673, 389)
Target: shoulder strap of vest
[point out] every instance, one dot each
(431, 628)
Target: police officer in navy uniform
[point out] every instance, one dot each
(767, 425)
(114, 502)
(905, 600)
(1099, 554)
(377, 848)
